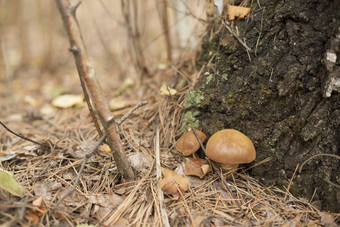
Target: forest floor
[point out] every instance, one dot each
(102, 198)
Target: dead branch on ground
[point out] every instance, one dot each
(25, 138)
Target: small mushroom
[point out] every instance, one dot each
(188, 144)
(230, 148)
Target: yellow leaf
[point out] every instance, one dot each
(237, 11)
(104, 147)
(167, 91)
(118, 103)
(9, 184)
(67, 101)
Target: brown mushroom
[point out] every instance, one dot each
(230, 148)
(188, 144)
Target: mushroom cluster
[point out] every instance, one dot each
(227, 147)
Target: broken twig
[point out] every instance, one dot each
(25, 138)
(87, 156)
(128, 114)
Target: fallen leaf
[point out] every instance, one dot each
(67, 101)
(237, 11)
(196, 167)
(167, 91)
(32, 218)
(5, 156)
(85, 225)
(47, 109)
(9, 184)
(119, 103)
(172, 183)
(29, 150)
(205, 169)
(104, 148)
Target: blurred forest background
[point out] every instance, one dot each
(124, 39)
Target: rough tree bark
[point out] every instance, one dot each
(286, 98)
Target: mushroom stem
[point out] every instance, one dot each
(229, 166)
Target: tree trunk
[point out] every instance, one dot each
(286, 98)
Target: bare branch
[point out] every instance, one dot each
(24, 138)
(90, 86)
(127, 115)
(76, 182)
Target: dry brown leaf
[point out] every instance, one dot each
(32, 218)
(237, 11)
(196, 167)
(206, 169)
(119, 103)
(5, 156)
(172, 183)
(34, 213)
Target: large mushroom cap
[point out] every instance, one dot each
(188, 143)
(230, 146)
